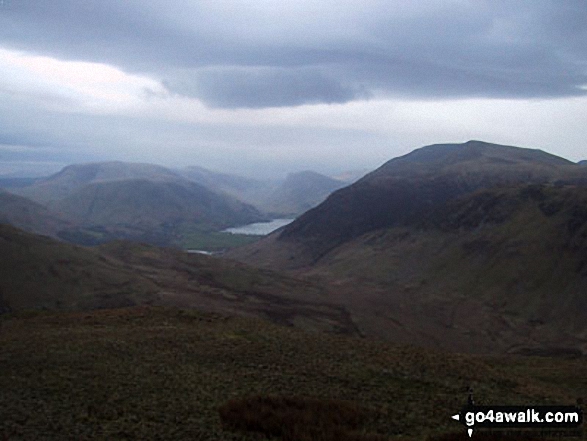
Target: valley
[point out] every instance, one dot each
(387, 292)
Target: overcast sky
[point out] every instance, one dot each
(262, 87)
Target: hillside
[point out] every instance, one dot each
(153, 373)
(408, 187)
(473, 251)
(297, 193)
(40, 273)
(251, 191)
(300, 192)
(143, 202)
(152, 210)
(10, 183)
(30, 216)
(74, 177)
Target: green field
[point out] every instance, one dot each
(193, 237)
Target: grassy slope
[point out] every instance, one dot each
(37, 272)
(29, 215)
(149, 373)
(501, 270)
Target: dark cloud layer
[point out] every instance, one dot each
(265, 53)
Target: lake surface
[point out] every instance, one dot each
(259, 228)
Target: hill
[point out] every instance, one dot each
(408, 187)
(251, 191)
(157, 373)
(40, 273)
(144, 202)
(297, 193)
(74, 177)
(9, 183)
(469, 247)
(300, 192)
(30, 216)
(152, 211)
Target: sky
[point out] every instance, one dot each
(266, 87)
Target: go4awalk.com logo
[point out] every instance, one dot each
(552, 418)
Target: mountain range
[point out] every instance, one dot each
(97, 202)
(294, 195)
(472, 247)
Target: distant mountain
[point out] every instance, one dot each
(227, 183)
(151, 211)
(28, 215)
(351, 176)
(76, 176)
(300, 192)
(584, 162)
(145, 202)
(472, 247)
(296, 194)
(251, 191)
(10, 183)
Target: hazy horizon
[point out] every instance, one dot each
(263, 88)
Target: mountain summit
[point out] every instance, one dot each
(472, 247)
(408, 187)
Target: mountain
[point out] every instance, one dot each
(37, 272)
(300, 192)
(10, 183)
(584, 162)
(246, 189)
(290, 197)
(471, 247)
(73, 177)
(145, 202)
(151, 211)
(30, 216)
(408, 187)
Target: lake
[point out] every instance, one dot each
(259, 228)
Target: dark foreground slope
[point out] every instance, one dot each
(167, 374)
(470, 247)
(39, 273)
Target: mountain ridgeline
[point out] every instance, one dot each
(471, 247)
(407, 188)
(297, 193)
(99, 202)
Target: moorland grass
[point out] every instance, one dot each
(170, 374)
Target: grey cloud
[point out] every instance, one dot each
(519, 49)
(261, 87)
